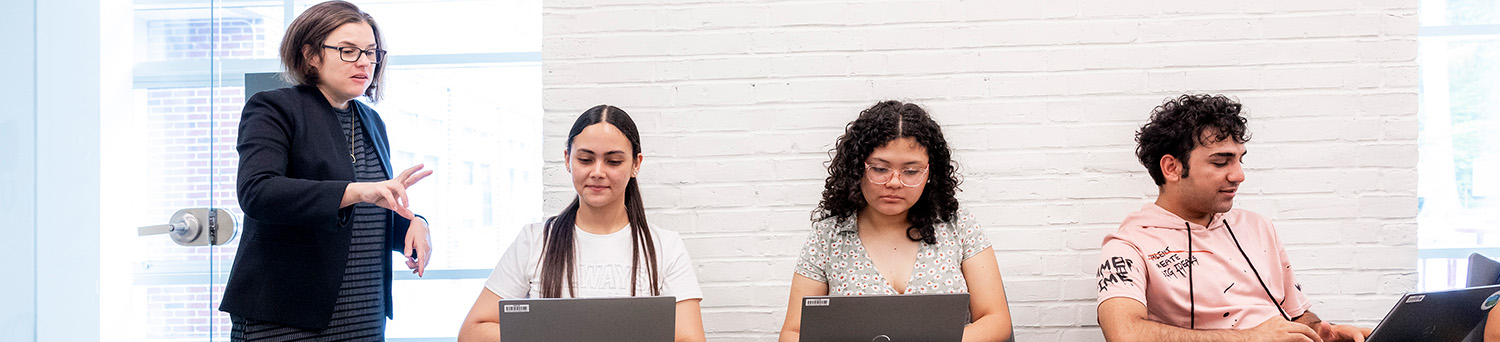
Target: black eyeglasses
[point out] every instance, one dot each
(352, 54)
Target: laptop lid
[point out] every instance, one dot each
(1483, 270)
(1436, 316)
(588, 319)
(899, 318)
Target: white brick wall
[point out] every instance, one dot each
(739, 102)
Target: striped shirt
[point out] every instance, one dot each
(359, 312)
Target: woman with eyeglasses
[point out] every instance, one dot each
(323, 207)
(889, 224)
(600, 245)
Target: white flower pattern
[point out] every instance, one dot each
(834, 255)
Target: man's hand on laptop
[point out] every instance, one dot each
(1278, 329)
(1339, 333)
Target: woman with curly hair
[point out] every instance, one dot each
(889, 224)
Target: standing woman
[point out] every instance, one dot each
(889, 224)
(322, 208)
(600, 245)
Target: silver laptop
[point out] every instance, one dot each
(1436, 316)
(899, 318)
(588, 319)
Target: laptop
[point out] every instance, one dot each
(588, 319)
(1482, 271)
(1436, 316)
(898, 318)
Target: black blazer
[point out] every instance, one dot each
(294, 166)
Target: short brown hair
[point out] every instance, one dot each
(314, 26)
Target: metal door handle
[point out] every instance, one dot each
(176, 227)
(196, 227)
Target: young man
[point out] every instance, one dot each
(1189, 267)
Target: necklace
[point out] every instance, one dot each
(352, 120)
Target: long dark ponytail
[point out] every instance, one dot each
(559, 260)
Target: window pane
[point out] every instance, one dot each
(1458, 207)
(189, 32)
(455, 26)
(1460, 12)
(457, 117)
(431, 308)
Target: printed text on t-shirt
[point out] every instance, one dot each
(1116, 270)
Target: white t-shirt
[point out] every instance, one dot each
(603, 266)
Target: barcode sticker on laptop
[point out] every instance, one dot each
(815, 302)
(1415, 298)
(517, 308)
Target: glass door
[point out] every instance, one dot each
(170, 162)
(469, 108)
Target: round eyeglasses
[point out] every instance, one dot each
(908, 177)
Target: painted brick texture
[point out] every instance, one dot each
(739, 102)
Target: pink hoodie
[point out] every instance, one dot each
(1147, 260)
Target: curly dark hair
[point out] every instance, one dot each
(1178, 126)
(876, 126)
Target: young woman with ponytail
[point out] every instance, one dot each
(600, 245)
